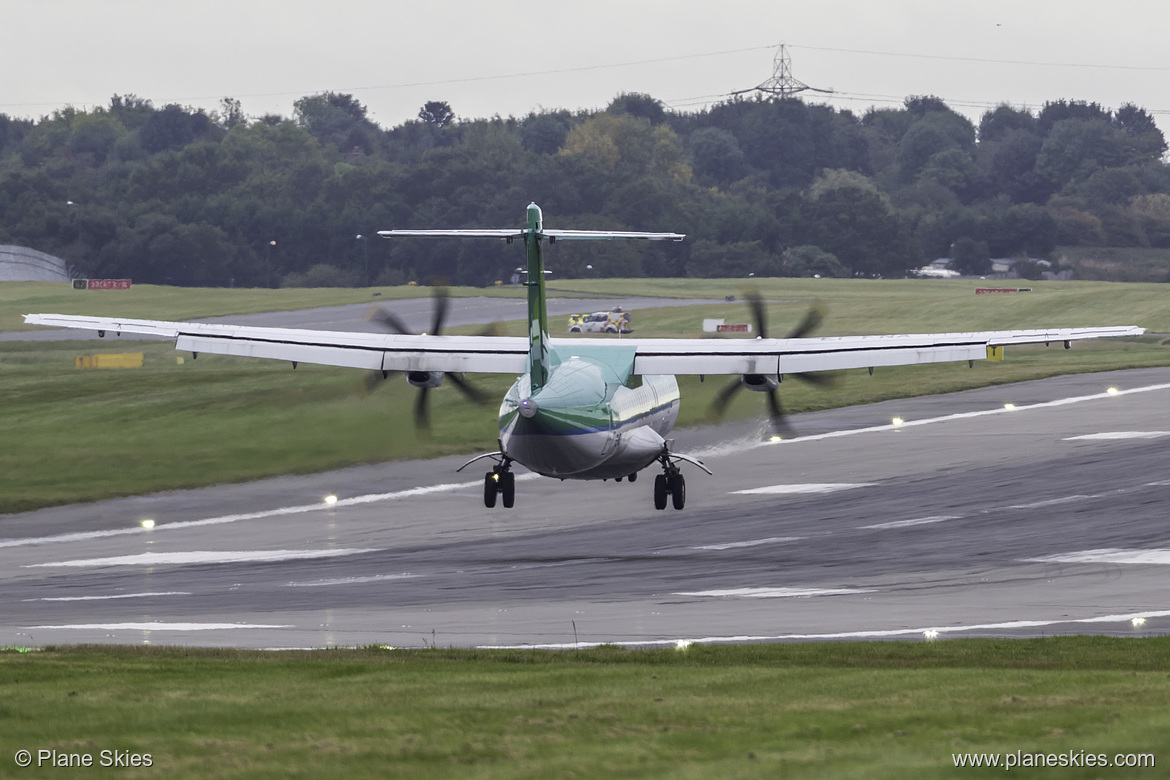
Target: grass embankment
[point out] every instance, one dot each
(874, 710)
(81, 435)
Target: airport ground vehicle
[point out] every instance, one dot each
(615, 321)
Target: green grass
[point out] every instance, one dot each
(83, 435)
(874, 710)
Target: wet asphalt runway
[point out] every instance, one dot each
(969, 519)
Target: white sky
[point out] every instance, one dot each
(393, 56)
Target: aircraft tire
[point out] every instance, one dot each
(633, 477)
(678, 491)
(508, 489)
(660, 491)
(490, 488)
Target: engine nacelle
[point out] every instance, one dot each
(759, 382)
(425, 378)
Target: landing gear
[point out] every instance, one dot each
(508, 489)
(670, 483)
(491, 487)
(500, 481)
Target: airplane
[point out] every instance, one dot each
(582, 408)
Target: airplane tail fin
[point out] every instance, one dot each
(533, 235)
(538, 346)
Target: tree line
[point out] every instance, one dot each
(763, 186)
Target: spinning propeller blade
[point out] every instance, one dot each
(392, 323)
(811, 321)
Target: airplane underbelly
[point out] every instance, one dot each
(559, 455)
(579, 426)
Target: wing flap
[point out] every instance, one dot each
(773, 356)
(371, 351)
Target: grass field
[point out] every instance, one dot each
(84, 435)
(865, 710)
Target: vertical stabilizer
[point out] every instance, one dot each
(538, 346)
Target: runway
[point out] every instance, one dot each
(968, 519)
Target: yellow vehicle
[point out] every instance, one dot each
(616, 321)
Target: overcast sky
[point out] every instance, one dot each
(509, 58)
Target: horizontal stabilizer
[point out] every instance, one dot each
(494, 233)
(612, 234)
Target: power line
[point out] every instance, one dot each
(985, 60)
(464, 80)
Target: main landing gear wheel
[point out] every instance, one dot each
(508, 489)
(490, 488)
(499, 482)
(672, 484)
(678, 490)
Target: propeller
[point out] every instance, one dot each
(769, 384)
(389, 322)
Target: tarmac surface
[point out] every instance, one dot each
(969, 518)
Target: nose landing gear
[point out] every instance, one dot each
(500, 481)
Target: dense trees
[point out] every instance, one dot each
(778, 186)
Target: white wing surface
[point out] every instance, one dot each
(371, 351)
(790, 356)
(508, 355)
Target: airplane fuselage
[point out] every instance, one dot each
(586, 422)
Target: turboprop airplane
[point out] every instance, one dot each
(581, 408)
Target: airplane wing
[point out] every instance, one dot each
(371, 351)
(509, 355)
(832, 353)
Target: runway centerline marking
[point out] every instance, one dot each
(203, 557)
(752, 543)
(1051, 502)
(783, 490)
(353, 580)
(775, 593)
(1112, 435)
(153, 626)
(117, 596)
(909, 523)
(1108, 555)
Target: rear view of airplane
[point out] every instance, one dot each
(582, 408)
